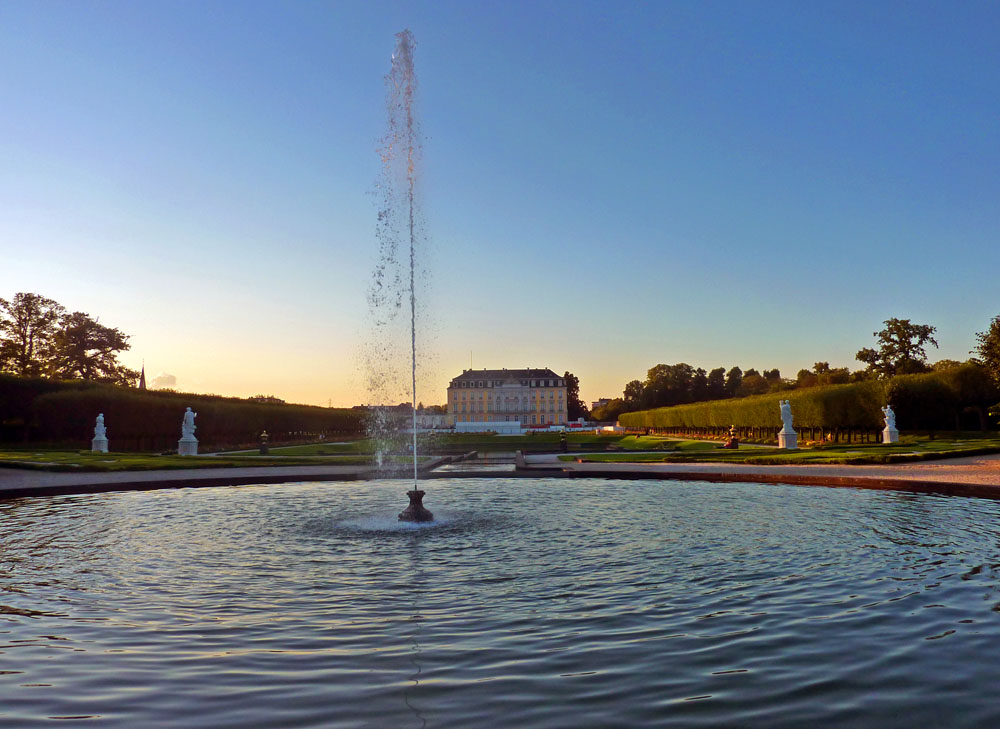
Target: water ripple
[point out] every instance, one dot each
(528, 603)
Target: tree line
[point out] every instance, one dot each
(39, 337)
(901, 348)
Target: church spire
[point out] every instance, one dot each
(142, 377)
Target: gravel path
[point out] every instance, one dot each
(25, 482)
(972, 470)
(974, 475)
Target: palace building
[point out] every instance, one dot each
(529, 397)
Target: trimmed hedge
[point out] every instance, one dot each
(929, 401)
(64, 412)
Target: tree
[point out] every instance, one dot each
(574, 405)
(806, 378)
(900, 350)
(668, 385)
(988, 349)
(699, 386)
(84, 349)
(633, 396)
(734, 378)
(753, 384)
(28, 323)
(609, 411)
(717, 383)
(945, 364)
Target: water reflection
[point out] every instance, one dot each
(410, 693)
(529, 603)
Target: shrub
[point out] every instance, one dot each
(64, 412)
(921, 402)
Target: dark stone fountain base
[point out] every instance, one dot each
(415, 511)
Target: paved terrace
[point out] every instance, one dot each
(24, 482)
(971, 476)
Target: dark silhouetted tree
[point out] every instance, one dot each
(633, 396)
(734, 378)
(987, 350)
(901, 346)
(574, 405)
(84, 349)
(28, 322)
(717, 384)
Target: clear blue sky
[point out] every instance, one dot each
(606, 186)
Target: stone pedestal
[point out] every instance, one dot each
(99, 445)
(890, 435)
(416, 510)
(187, 446)
(789, 440)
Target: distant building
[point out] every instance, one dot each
(142, 377)
(431, 419)
(531, 397)
(599, 403)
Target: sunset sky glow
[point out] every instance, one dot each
(605, 186)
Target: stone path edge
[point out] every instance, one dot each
(865, 482)
(153, 484)
(152, 480)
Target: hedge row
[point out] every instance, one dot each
(937, 400)
(64, 412)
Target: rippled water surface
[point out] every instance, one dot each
(562, 603)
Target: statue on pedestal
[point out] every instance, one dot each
(786, 416)
(99, 443)
(787, 438)
(890, 417)
(187, 425)
(188, 444)
(889, 434)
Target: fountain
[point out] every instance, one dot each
(398, 220)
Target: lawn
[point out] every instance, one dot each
(85, 461)
(485, 442)
(362, 446)
(907, 450)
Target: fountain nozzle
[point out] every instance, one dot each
(415, 511)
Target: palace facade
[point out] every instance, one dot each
(529, 397)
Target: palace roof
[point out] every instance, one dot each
(526, 374)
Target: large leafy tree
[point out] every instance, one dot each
(39, 339)
(574, 405)
(987, 351)
(734, 378)
(668, 385)
(717, 384)
(28, 323)
(900, 351)
(632, 396)
(85, 349)
(609, 411)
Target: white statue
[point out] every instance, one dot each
(786, 415)
(99, 443)
(188, 426)
(787, 438)
(890, 417)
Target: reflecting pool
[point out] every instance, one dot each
(529, 603)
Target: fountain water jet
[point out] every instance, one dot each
(398, 219)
